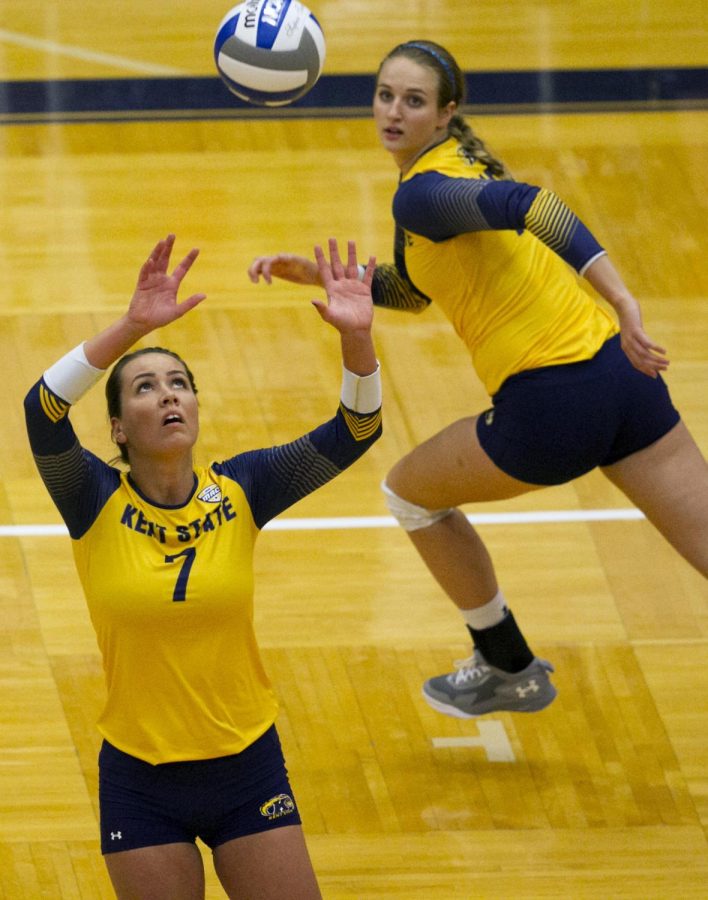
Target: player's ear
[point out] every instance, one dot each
(446, 113)
(117, 433)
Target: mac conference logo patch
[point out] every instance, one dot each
(210, 494)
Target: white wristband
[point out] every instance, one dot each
(361, 393)
(72, 375)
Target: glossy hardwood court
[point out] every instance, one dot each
(603, 795)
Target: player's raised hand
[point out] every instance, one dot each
(154, 302)
(349, 306)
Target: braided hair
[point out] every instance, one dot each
(451, 87)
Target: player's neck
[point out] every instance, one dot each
(169, 482)
(406, 164)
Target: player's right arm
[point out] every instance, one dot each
(288, 266)
(77, 481)
(388, 287)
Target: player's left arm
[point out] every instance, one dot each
(643, 353)
(439, 207)
(274, 479)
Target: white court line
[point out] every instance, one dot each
(491, 737)
(352, 522)
(105, 59)
(510, 518)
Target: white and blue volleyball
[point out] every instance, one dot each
(269, 52)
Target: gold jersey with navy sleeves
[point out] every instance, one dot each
(170, 588)
(496, 256)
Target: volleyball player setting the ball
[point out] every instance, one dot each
(165, 556)
(571, 389)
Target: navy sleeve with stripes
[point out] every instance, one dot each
(78, 482)
(439, 208)
(276, 478)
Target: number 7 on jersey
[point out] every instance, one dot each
(189, 554)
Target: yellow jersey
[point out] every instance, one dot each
(497, 257)
(170, 588)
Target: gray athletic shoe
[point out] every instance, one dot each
(477, 688)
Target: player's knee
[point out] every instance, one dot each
(410, 516)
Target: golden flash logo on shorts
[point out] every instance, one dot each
(278, 806)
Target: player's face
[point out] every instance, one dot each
(406, 110)
(159, 413)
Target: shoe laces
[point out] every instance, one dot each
(468, 669)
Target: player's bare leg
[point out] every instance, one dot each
(269, 865)
(668, 481)
(450, 469)
(166, 872)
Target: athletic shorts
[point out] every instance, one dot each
(216, 800)
(553, 424)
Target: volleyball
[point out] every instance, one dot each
(269, 52)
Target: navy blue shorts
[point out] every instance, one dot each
(551, 425)
(215, 800)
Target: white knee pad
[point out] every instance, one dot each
(409, 516)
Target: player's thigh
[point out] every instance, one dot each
(163, 872)
(269, 865)
(668, 481)
(451, 468)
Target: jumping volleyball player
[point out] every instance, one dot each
(165, 556)
(572, 388)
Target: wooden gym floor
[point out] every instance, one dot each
(605, 794)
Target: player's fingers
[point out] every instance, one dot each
(661, 363)
(255, 270)
(261, 268)
(369, 271)
(322, 265)
(650, 364)
(267, 270)
(648, 345)
(335, 259)
(352, 268)
(182, 268)
(654, 355)
(190, 303)
(321, 308)
(164, 249)
(153, 262)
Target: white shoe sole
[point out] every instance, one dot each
(449, 710)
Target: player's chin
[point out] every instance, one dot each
(180, 438)
(390, 141)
